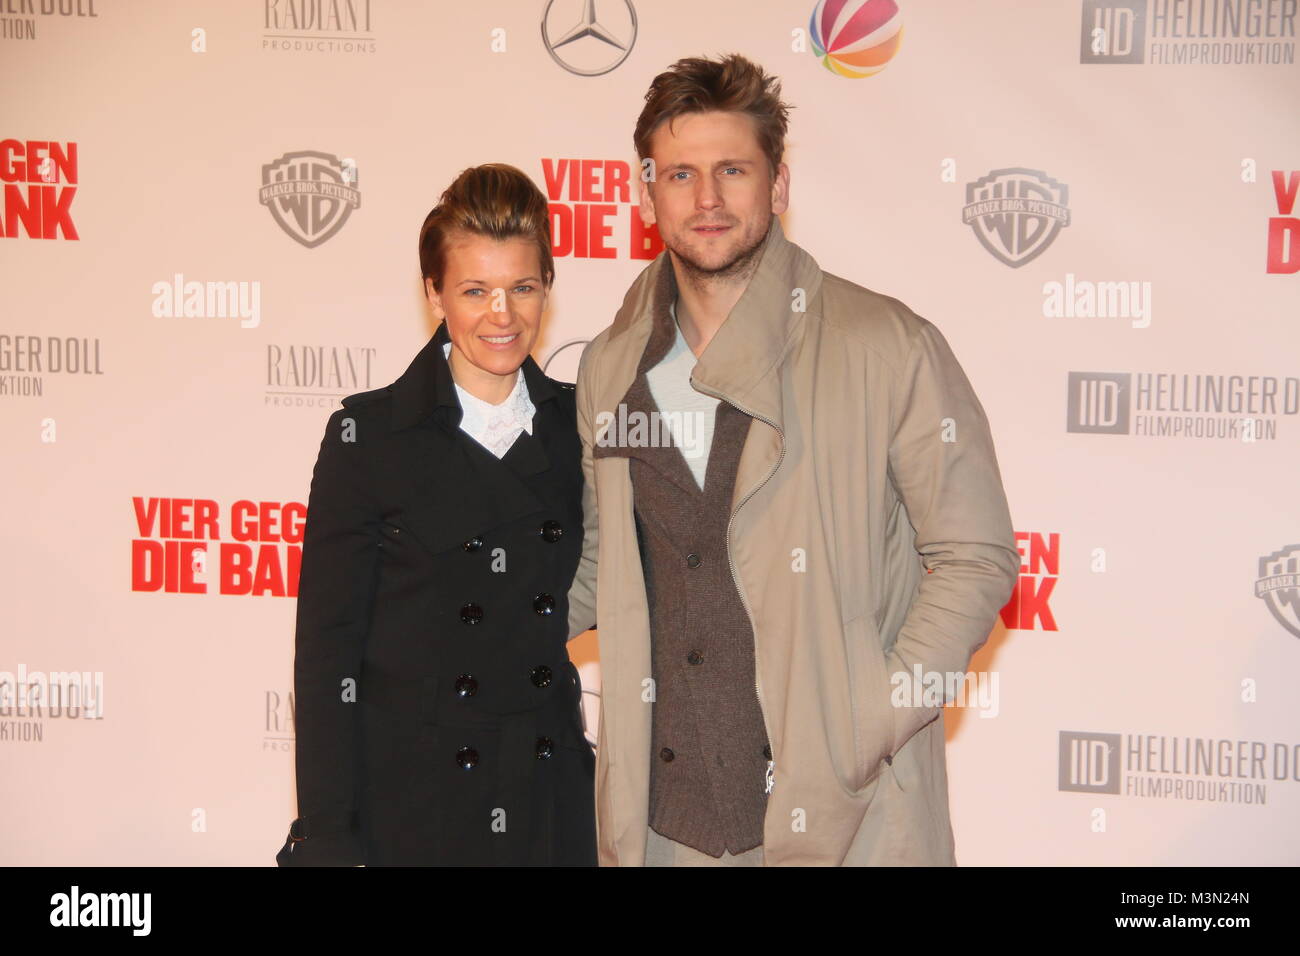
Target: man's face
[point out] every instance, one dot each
(713, 196)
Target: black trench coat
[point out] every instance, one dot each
(435, 579)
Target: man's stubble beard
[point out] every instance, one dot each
(738, 270)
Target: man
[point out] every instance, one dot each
(826, 513)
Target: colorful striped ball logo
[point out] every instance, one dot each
(856, 38)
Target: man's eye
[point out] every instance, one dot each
(680, 172)
(731, 169)
(472, 291)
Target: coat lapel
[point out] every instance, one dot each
(742, 363)
(456, 488)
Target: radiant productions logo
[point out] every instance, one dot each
(1245, 408)
(317, 26)
(316, 376)
(1016, 213)
(855, 38)
(1278, 587)
(587, 41)
(1199, 769)
(310, 194)
(1188, 32)
(278, 721)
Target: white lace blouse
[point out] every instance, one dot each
(495, 427)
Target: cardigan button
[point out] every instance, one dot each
(544, 604)
(695, 657)
(466, 686)
(551, 531)
(545, 747)
(540, 676)
(693, 560)
(471, 613)
(889, 761)
(467, 758)
(473, 544)
(666, 755)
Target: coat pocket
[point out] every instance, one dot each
(870, 704)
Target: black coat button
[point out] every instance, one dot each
(467, 758)
(544, 604)
(540, 676)
(695, 657)
(666, 755)
(551, 531)
(473, 544)
(545, 747)
(471, 613)
(466, 686)
(767, 751)
(692, 560)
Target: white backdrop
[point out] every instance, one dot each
(136, 136)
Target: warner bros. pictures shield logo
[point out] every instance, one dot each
(1016, 213)
(310, 194)
(1279, 586)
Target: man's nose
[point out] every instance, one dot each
(707, 195)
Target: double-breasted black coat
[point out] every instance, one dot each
(438, 715)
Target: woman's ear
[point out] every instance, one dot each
(435, 300)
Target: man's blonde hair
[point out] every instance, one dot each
(731, 84)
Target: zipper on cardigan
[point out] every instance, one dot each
(769, 778)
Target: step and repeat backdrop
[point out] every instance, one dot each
(208, 237)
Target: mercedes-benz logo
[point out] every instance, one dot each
(602, 40)
(568, 366)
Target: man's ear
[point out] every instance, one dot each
(435, 300)
(647, 205)
(781, 190)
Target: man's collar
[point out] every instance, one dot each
(741, 357)
(427, 388)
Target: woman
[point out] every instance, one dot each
(438, 714)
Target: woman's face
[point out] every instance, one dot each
(492, 300)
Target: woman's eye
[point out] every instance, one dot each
(524, 288)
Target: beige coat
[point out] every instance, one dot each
(868, 464)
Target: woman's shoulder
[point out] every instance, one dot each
(565, 397)
(368, 398)
(362, 415)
